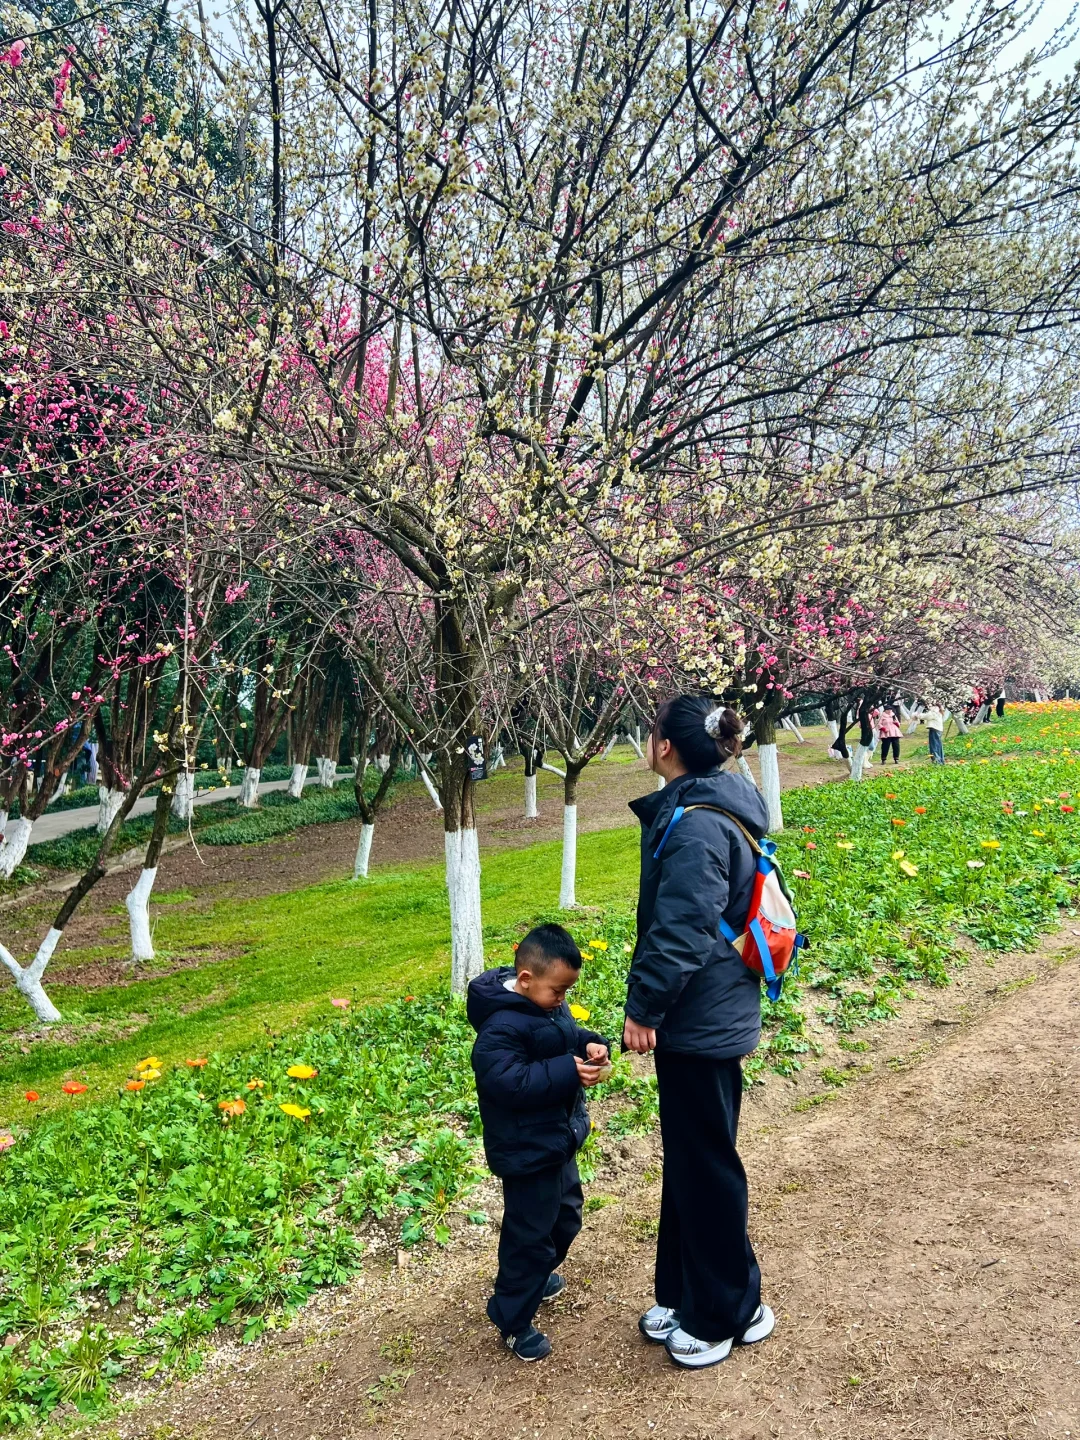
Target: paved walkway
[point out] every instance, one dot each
(55, 823)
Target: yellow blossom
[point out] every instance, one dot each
(908, 868)
(301, 1072)
(579, 1013)
(297, 1111)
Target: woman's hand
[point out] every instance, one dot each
(639, 1038)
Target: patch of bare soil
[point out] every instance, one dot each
(919, 1238)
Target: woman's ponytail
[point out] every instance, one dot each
(705, 734)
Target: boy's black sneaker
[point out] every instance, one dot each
(529, 1346)
(554, 1287)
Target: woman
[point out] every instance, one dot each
(889, 728)
(691, 999)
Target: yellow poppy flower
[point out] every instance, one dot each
(908, 868)
(845, 844)
(297, 1111)
(301, 1072)
(898, 854)
(152, 1062)
(598, 944)
(579, 1013)
(991, 844)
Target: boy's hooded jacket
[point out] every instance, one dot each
(531, 1101)
(685, 980)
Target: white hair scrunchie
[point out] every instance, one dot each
(713, 721)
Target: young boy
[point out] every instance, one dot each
(531, 1061)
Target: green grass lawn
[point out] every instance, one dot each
(290, 953)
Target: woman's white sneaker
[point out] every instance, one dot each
(760, 1328)
(658, 1323)
(694, 1354)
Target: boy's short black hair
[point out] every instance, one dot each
(543, 946)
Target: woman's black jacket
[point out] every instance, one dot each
(685, 980)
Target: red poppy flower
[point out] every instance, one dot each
(1067, 809)
(31, 1096)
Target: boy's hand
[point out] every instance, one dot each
(639, 1038)
(588, 1071)
(597, 1053)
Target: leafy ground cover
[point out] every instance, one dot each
(205, 1188)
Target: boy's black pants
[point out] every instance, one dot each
(541, 1217)
(705, 1264)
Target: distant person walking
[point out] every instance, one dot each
(889, 729)
(934, 721)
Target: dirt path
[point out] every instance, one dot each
(920, 1239)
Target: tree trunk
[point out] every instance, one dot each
(138, 908)
(769, 768)
(296, 780)
(462, 850)
(363, 852)
(326, 771)
(249, 788)
(109, 802)
(183, 796)
(13, 846)
(568, 875)
(531, 812)
(859, 760)
(635, 745)
(743, 767)
(28, 978)
(138, 899)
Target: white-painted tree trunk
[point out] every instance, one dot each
(363, 852)
(859, 760)
(463, 885)
(326, 771)
(183, 798)
(296, 781)
(568, 876)
(13, 846)
(92, 772)
(28, 978)
(834, 729)
(769, 767)
(58, 793)
(382, 762)
(609, 747)
(635, 745)
(531, 811)
(743, 767)
(982, 716)
(249, 787)
(787, 723)
(961, 723)
(430, 787)
(138, 908)
(109, 802)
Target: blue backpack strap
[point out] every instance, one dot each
(763, 951)
(727, 931)
(680, 811)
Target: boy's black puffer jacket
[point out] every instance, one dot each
(531, 1101)
(685, 981)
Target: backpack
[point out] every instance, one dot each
(770, 943)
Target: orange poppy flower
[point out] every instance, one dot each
(31, 1096)
(231, 1107)
(920, 809)
(135, 1085)
(73, 1087)
(196, 1064)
